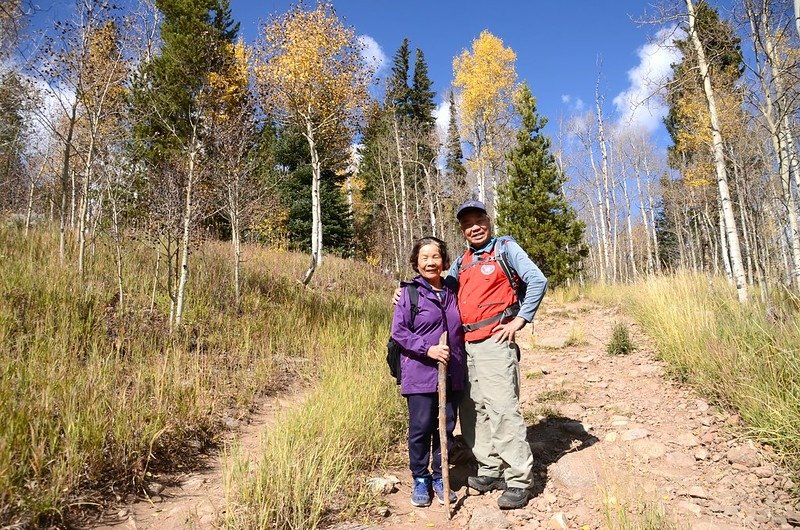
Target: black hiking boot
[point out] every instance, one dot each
(486, 484)
(513, 498)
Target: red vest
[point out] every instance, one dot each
(483, 292)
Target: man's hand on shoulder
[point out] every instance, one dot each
(396, 295)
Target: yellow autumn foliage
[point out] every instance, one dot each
(229, 85)
(309, 69)
(486, 77)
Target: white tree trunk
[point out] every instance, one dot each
(723, 246)
(719, 162)
(611, 261)
(84, 208)
(403, 192)
(316, 212)
(645, 223)
(187, 224)
(631, 254)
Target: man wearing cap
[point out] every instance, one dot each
(499, 291)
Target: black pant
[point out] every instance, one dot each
(423, 431)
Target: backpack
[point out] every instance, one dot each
(508, 271)
(394, 351)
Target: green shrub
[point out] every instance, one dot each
(620, 343)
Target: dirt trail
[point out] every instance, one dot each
(195, 500)
(617, 433)
(605, 430)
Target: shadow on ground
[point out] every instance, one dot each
(550, 439)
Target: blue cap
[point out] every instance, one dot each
(470, 205)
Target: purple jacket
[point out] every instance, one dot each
(419, 372)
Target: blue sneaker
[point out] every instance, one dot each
(438, 489)
(421, 495)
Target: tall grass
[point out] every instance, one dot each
(310, 460)
(93, 396)
(735, 355)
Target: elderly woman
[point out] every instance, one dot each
(436, 313)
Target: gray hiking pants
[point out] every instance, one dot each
(491, 419)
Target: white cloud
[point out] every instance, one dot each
(640, 104)
(442, 115)
(372, 53)
(574, 104)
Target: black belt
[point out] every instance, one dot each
(510, 311)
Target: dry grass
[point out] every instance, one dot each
(93, 397)
(735, 355)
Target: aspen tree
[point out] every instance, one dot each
(310, 74)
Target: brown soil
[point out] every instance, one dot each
(608, 433)
(619, 435)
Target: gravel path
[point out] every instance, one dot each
(613, 435)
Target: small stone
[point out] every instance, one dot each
(731, 511)
(544, 370)
(698, 492)
(619, 423)
(230, 423)
(610, 437)
(701, 405)
(573, 427)
(593, 378)
(549, 497)
(793, 517)
(763, 471)
(382, 511)
(558, 522)
(586, 359)
(154, 488)
(743, 455)
(687, 439)
(487, 518)
(683, 460)
(733, 419)
(649, 449)
(635, 434)
(689, 507)
(701, 454)
(380, 485)
(122, 514)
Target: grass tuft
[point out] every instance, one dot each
(620, 342)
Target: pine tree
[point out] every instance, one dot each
(397, 91)
(454, 155)
(291, 153)
(531, 205)
(421, 96)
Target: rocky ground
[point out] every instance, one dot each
(616, 445)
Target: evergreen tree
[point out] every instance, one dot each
(421, 96)
(532, 207)
(291, 153)
(397, 91)
(13, 139)
(454, 156)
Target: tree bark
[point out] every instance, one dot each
(719, 162)
(187, 224)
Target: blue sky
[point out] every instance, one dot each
(559, 45)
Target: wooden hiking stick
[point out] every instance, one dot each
(443, 428)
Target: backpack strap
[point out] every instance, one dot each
(413, 298)
(502, 260)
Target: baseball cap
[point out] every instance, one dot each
(470, 205)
